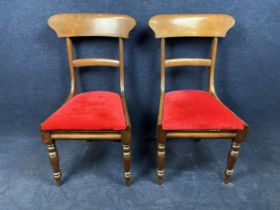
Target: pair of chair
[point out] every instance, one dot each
(103, 115)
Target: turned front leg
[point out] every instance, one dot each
(160, 162)
(232, 157)
(53, 157)
(127, 163)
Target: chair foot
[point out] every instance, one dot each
(127, 181)
(227, 176)
(232, 157)
(160, 175)
(57, 177)
(160, 162)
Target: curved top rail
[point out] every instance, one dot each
(91, 24)
(191, 25)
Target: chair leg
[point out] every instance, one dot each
(160, 161)
(54, 160)
(53, 156)
(232, 157)
(127, 163)
(161, 142)
(126, 141)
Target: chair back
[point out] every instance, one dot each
(191, 25)
(92, 25)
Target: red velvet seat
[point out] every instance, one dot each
(197, 110)
(96, 110)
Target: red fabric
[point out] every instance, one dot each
(96, 110)
(197, 110)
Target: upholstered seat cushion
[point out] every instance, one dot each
(96, 110)
(197, 110)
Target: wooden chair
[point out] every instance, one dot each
(95, 115)
(193, 113)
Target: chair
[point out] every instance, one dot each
(194, 113)
(94, 115)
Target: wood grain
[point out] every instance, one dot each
(187, 62)
(86, 136)
(86, 62)
(91, 24)
(191, 25)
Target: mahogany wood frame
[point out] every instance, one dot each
(90, 24)
(193, 25)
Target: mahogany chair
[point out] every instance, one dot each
(94, 115)
(194, 113)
